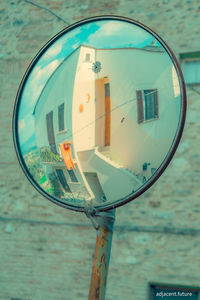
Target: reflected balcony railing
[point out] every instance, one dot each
(49, 156)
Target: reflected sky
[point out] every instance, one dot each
(99, 34)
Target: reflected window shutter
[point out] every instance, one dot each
(61, 117)
(156, 103)
(63, 180)
(140, 106)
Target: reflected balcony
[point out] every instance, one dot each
(48, 156)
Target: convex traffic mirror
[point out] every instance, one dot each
(99, 113)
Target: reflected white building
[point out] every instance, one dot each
(114, 105)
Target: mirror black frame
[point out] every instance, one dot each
(171, 151)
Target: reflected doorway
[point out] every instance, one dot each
(103, 112)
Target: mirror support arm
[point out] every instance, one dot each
(105, 221)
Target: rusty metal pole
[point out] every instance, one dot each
(105, 221)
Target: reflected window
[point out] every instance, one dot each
(147, 102)
(63, 180)
(72, 176)
(50, 131)
(61, 117)
(87, 57)
(190, 63)
(162, 291)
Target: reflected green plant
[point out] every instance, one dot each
(48, 156)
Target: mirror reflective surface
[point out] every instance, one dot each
(99, 113)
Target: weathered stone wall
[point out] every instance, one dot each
(46, 251)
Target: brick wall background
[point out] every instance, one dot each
(46, 251)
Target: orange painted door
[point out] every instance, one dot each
(107, 114)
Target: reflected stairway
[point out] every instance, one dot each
(106, 155)
(116, 181)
